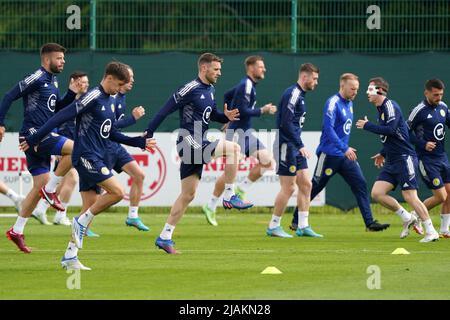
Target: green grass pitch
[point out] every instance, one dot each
(225, 262)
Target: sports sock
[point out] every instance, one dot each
(133, 212)
(428, 224)
(212, 204)
(12, 195)
(86, 218)
(166, 233)
(20, 225)
(41, 207)
(403, 214)
(246, 184)
(61, 214)
(71, 251)
(445, 222)
(274, 222)
(53, 182)
(303, 219)
(229, 191)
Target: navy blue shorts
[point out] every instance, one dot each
(118, 158)
(39, 157)
(289, 160)
(194, 156)
(435, 171)
(248, 142)
(92, 171)
(401, 172)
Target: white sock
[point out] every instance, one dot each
(246, 184)
(71, 251)
(274, 222)
(53, 183)
(303, 219)
(212, 204)
(167, 232)
(12, 195)
(61, 214)
(445, 222)
(403, 214)
(41, 207)
(133, 212)
(428, 224)
(20, 225)
(229, 191)
(86, 218)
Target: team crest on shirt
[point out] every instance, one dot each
(105, 171)
(292, 169)
(436, 182)
(328, 171)
(442, 113)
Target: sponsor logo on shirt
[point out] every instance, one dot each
(51, 102)
(439, 132)
(105, 128)
(206, 114)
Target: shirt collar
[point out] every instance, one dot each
(207, 85)
(302, 92)
(254, 83)
(342, 98)
(426, 103)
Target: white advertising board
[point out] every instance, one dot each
(161, 167)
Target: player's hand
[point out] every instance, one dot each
(138, 112)
(75, 85)
(351, 154)
(2, 133)
(362, 122)
(273, 109)
(268, 108)
(232, 115)
(150, 144)
(378, 160)
(23, 146)
(304, 152)
(430, 145)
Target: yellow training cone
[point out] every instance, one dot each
(400, 251)
(271, 270)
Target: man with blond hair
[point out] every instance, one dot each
(336, 156)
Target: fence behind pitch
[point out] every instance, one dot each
(306, 26)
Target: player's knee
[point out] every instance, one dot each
(409, 196)
(267, 163)
(375, 195)
(288, 189)
(189, 196)
(139, 177)
(118, 194)
(305, 186)
(441, 196)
